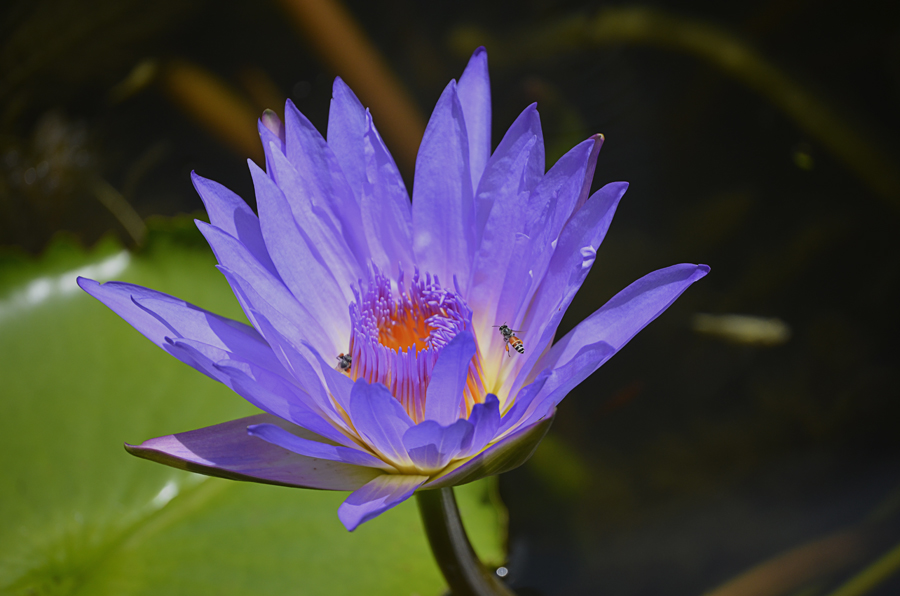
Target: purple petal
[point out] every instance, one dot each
(626, 313)
(485, 418)
(432, 446)
(547, 209)
(571, 262)
(324, 179)
(272, 143)
(589, 173)
(561, 381)
(249, 280)
(346, 127)
(509, 453)
(511, 175)
(522, 402)
(558, 191)
(304, 275)
(289, 317)
(228, 212)
(276, 396)
(555, 196)
(376, 497)
(448, 379)
(513, 170)
(380, 420)
(386, 212)
(272, 392)
(238, 339)
(322, 232)
(474, 91)
(269, 392)
(443, 208)
(159, 316)
(348, 455)
(340, 386)
(227, 451)
(301, 367)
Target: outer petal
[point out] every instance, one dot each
(448, 379)
(380, 421)
(275, 396)
(240, 341)
(231, 214)
(432, 446)
(475, 98)
(159, 316)
(322, 232)
(227, 451)
(271, 392)
(303, 369)
(250, 281)
(569, 266)
(348, 455)
(386, 212)
(547, 209)
(346, 127)
(271, 133)
(443, 208)
(626, 313)
(589, 173)
(304, 275)
(376, 497)
(555, 197)
(509, 453)
(511, 175)
(317, 165)
(561, 381)
(298, 329)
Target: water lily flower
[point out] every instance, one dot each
(375, 350)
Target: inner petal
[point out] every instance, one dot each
(397, 334)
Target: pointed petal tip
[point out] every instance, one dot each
(340, 86)
(272, 122)
(85, 282)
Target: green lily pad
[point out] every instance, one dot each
(78, 515)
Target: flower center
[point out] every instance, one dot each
(397, 341)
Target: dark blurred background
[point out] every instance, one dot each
(745, 443)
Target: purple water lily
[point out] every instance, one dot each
(375, 351)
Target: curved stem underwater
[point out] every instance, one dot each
(465, 574)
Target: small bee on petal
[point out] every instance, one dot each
(344, 362)
(509, 337)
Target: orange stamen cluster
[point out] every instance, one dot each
(397, 341)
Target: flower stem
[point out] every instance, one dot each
(465, 574)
